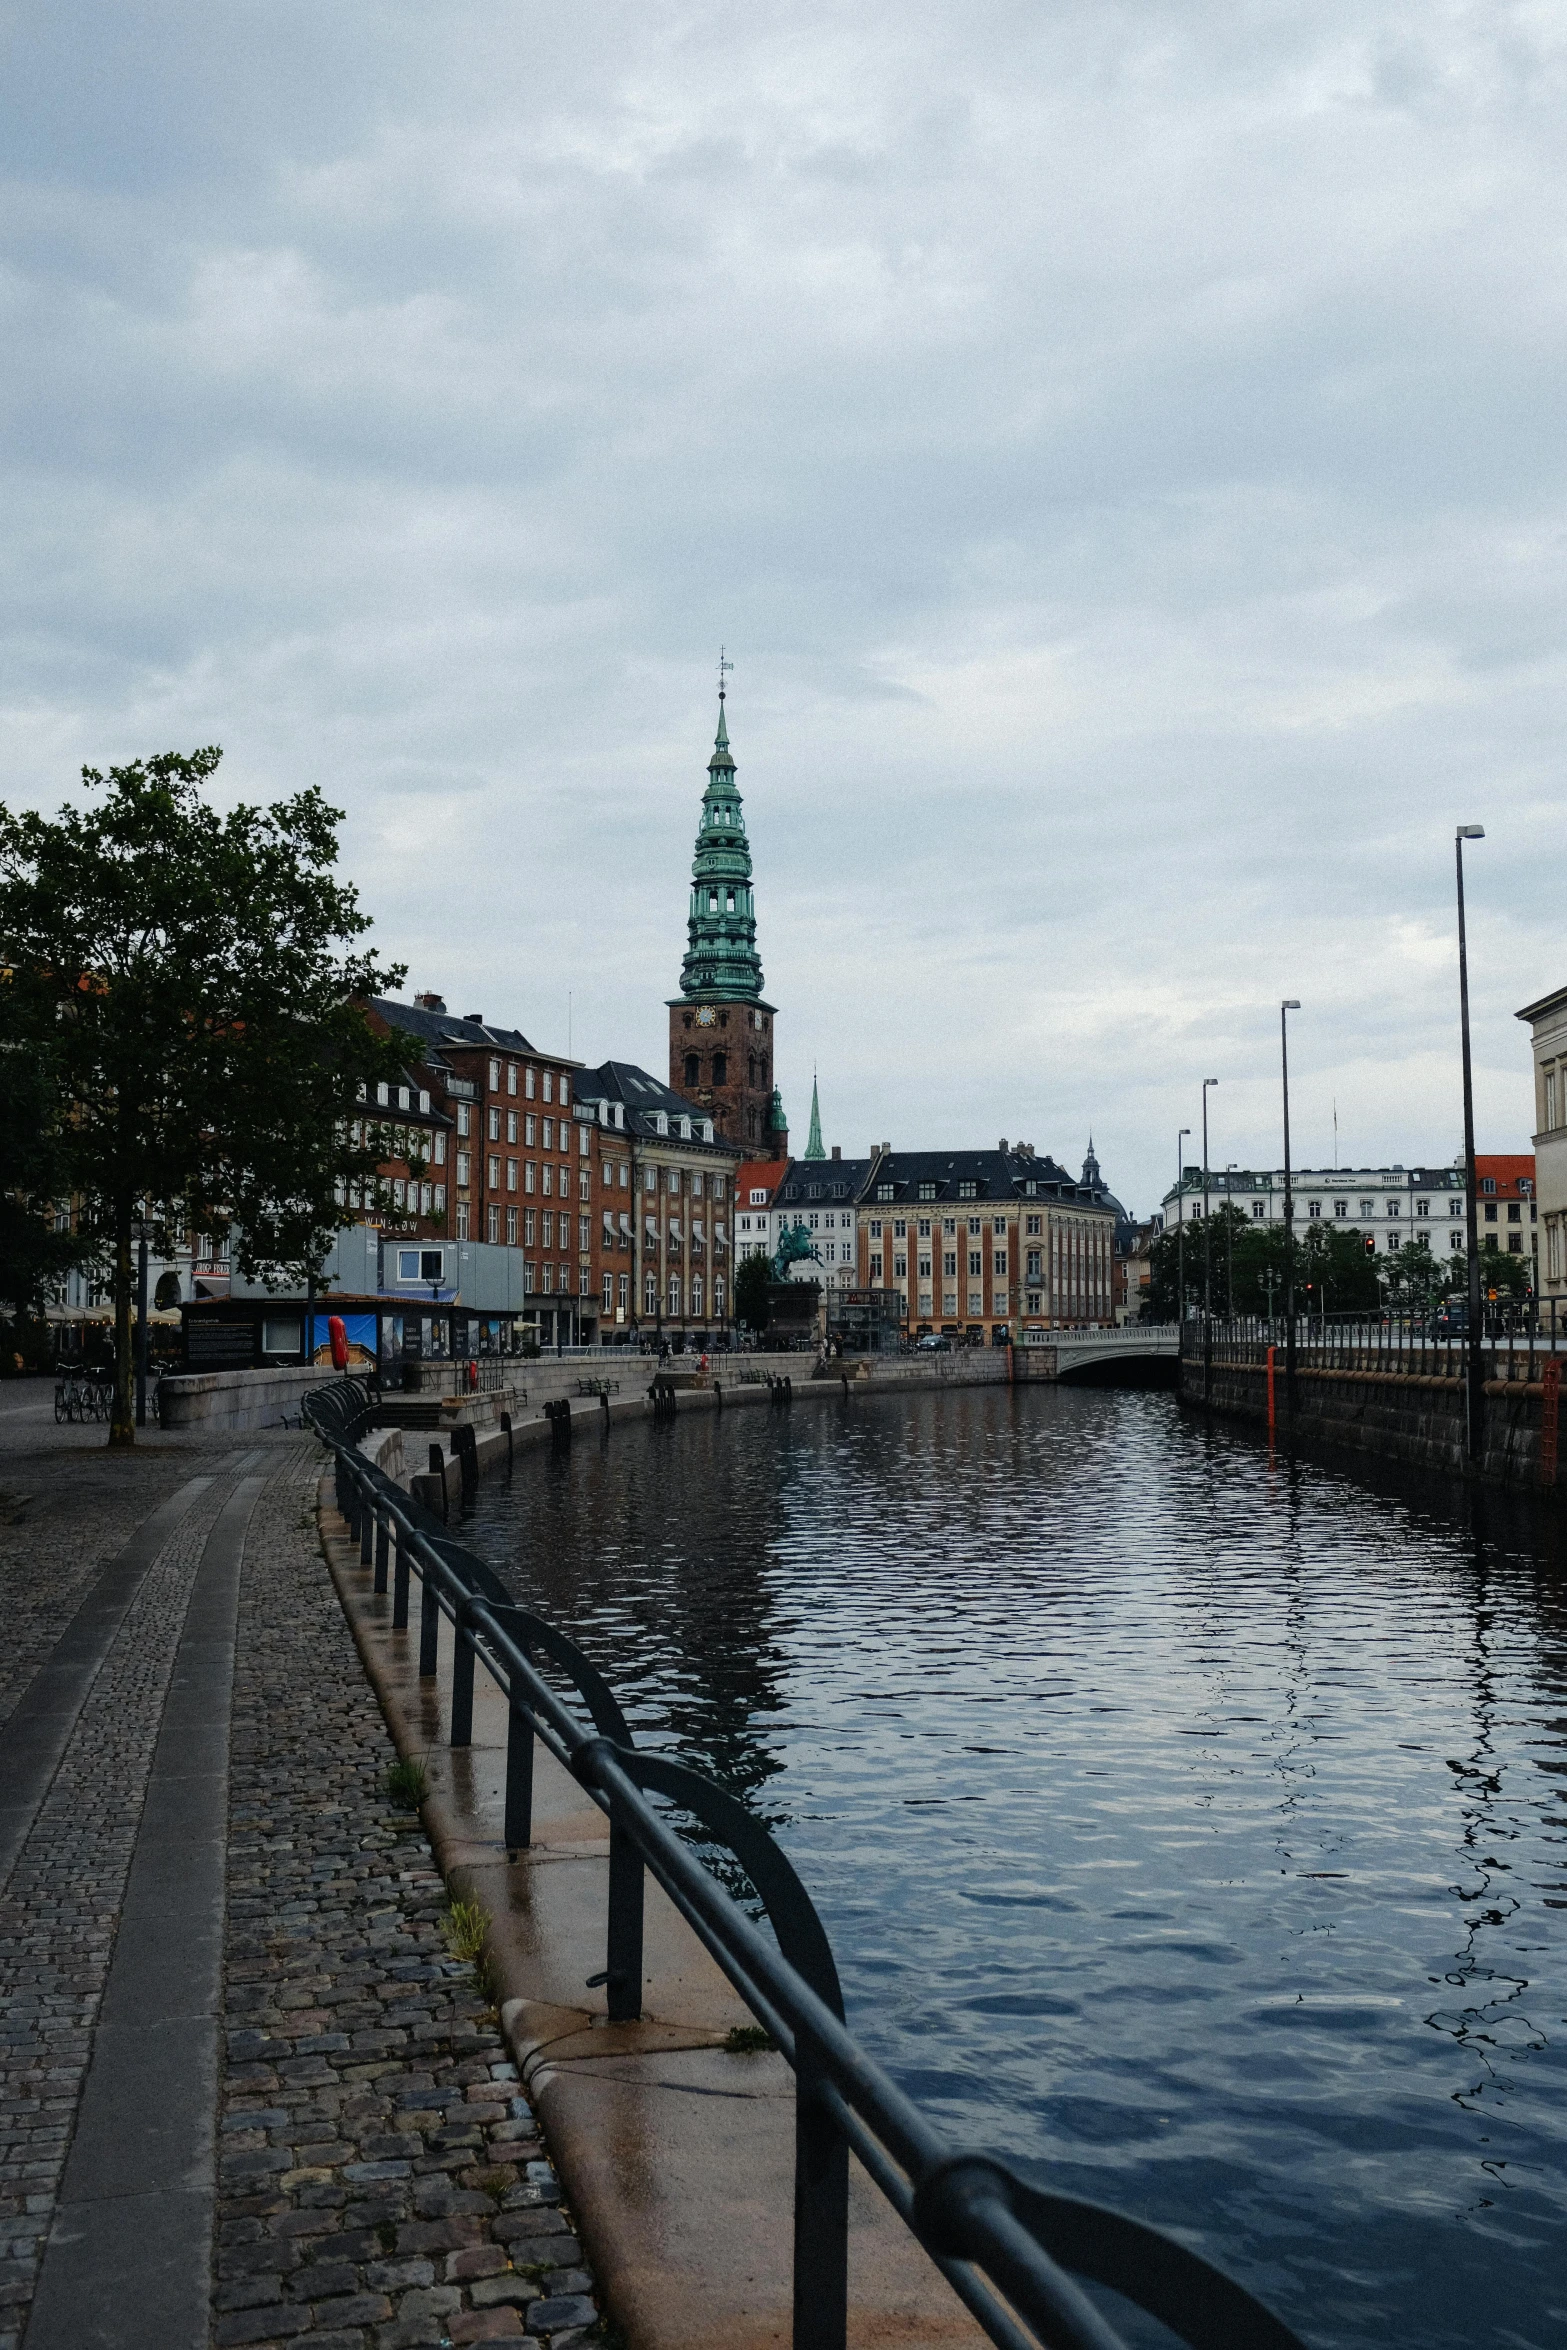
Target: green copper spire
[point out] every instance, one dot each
(813, 1147)
(721, 964)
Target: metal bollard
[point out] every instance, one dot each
(506, 1432)
(438, 1469)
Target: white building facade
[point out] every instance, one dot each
(1388, 1206)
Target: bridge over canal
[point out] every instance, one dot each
(1140, 1355)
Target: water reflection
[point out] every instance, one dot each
(1186, 1820)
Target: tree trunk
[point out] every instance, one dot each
(122, 1426)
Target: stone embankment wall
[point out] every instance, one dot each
(1413, 1417)
(261, 1399)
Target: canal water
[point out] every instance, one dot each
(1185, 1822)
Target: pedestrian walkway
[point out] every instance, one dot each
(247, 2095)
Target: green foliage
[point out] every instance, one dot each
(751, 1281)
(1334, 1271)
(748, 2040)
(465, 1925)
(406, 1783)
(34, 1174)
(194, 976)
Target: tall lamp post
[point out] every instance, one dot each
(1207, 1255)
(1180, 1227)
(1476, 1390)
(1207, 1207)
(1229, 1242)
(1290, 1004)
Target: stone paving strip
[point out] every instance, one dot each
(60, 1908)
(65, 1517)
(382, 2182)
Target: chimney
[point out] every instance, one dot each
(431, 1003)
(1002, 1146)
(837, 1151)
(476, 1017)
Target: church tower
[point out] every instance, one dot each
(720, 1026)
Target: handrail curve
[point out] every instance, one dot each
(1011, 2250)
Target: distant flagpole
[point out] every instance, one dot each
(1335, 1134)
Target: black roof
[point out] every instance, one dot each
(644, 1098)
(435, 1029)
(941, 1177)
(811, 1181)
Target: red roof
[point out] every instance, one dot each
(764, 1174)
(1507, 1170)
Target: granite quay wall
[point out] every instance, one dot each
(221, 1400)
(1414, 1417)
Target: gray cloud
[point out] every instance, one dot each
(1122, 451)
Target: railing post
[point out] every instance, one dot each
(400, 1589)
(383, 1536)
(429, 1626)
(462, 1680)
(519, 1780)
(366, 1530)
(623, 1953)
(438, 1469)
(821, 2215)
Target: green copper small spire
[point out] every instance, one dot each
(814, 1148)
(777, 1121)
(721, 963)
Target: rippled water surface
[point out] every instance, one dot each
(1184, 1822)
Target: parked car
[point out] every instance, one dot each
(933, 1344)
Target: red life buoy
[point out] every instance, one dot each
(339, 1337)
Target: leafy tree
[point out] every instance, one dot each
(1416, 1278)
(1334, 1272)
(751, 1281)
(1501, 1274)
(34, 1180)
(194, 977)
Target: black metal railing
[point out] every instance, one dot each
(1012, 2252)
(1427, 1345)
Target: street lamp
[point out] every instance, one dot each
(1290, 1004)
(1180, 1226)
(1476, 1396)
(1207, 1210)
(1229, 1242)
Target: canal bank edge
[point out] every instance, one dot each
(676, 2154)
(1415, 1419)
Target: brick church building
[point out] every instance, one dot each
(720, 1024)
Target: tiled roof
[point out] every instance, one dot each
(644, 1098)
(435, 1029)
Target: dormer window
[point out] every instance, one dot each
(424, 1103)
(661, 1121)
(927, 1190)
(707, 1130)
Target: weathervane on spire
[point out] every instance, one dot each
(723, 665)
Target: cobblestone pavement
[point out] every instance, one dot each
(59, 1907)
(382, 2181)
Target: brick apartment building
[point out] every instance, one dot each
(658, 1234)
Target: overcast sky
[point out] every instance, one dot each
(1121, 448)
